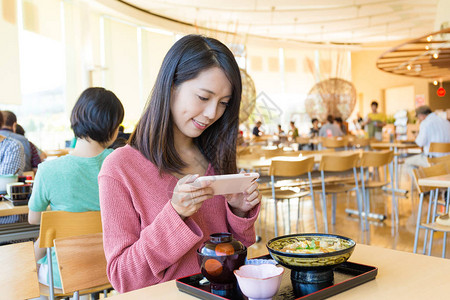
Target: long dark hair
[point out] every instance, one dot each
(153, 135)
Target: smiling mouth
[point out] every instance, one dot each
(199, 125)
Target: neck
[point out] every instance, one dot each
(182, 143)
(87, 148)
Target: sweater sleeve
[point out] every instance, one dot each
(243, 229)
(138, 257)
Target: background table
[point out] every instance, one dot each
(401, 275)
(7, 209)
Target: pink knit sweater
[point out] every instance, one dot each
(145, 240)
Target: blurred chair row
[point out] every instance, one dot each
(436, 207)
(285, 183)
(78, 241)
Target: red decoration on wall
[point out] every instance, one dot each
(441, 92)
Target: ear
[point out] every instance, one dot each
(14, 126)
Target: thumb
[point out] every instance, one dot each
(188, 179)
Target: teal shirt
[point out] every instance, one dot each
(68, 183)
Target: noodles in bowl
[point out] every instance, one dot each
(310, 250)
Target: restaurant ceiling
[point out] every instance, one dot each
(314, 21)
(426, 57)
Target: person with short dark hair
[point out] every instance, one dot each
(8, 130)
(12, 157)
(122, 134)
(293, 132)
(257, 129)
(314, 132)
(432, 129)
(70, 183)
(155, 215)
(12, 162)
(330, 129)
(375, 122)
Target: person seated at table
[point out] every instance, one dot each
(12, 161)
(281, 135)
(69, 183)
(37, 155)
(257, 129)
(340, 123)
(155, 216)
(314, 132)
(8, 129)
(293, 132)
(374, 122)
(432, 129)
(330, 129)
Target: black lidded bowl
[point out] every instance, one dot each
(220, 256)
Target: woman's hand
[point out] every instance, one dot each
(188, 196)
(242, 203)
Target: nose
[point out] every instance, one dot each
(210, 110)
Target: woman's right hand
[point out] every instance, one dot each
(188, 196)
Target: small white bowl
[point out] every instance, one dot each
(259, 281)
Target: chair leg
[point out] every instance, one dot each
(419, 214)
(275, 216)
(433, 219)
(324, 211)
(333, 209)
(430, 200)
(50, 274)
(314, 209)
(289, 215)
(444, 244)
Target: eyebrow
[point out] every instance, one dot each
(211, 92)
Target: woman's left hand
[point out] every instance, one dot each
(242, 203)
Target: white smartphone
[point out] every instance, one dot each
(229, 184)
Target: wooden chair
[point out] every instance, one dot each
(280, 169)
(436, 160)
(338, 163)
(439, 148)
(82, 263)
(62, 224)
(18, 276)
(335, 142)
(429, 224)
(359, 143)
(376, 160)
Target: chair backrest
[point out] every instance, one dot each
(335, 142)
(302, 140)
(339, 163)
(312, 152)
(61, 224)
(19, 275)
(361, 142)
(81, 261)
(268, 153)
(421, 172)
(291, 168)
(439, 147)
(436, 160)
(376, 158)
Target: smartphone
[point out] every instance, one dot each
(229, 184)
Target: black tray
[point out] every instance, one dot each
(346, 276)
(16, 202)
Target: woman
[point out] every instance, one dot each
(70, 183)
(154, 217)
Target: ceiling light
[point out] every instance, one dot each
(418, 68)
(435, 55)
(408, 67)
(427, 47)
(429, 38)
(435, 82)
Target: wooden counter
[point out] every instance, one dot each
(401, 275)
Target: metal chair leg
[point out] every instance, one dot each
(419, 214)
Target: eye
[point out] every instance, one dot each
(202, 98)
(226, 104)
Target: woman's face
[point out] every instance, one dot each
(197, 103)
